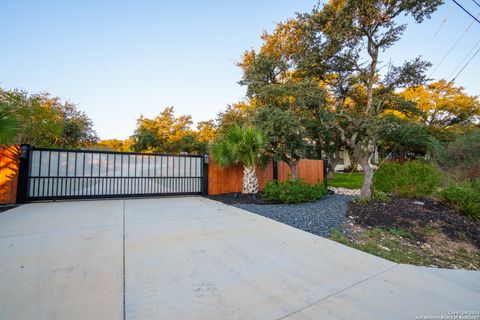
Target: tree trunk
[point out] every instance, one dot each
(366, 190)
(331, 157)
(353, 159)
(293, 168)
(250, 181)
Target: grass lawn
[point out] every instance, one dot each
(352, 180)
(398, 245)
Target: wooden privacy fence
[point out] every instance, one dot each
(8, 174)
(227, 180)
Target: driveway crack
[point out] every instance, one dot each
(339, 291)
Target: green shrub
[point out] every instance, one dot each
(461, 158)
(465, 196)
(412, 178)
(293, 191)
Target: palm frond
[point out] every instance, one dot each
(8, 129)
(238, 145)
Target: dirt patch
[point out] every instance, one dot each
(413, 230)
(418, 216)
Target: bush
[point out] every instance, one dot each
(465, 196)
(462, 156)
(412, 178)
(293, 191)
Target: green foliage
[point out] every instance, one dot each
(352, 180)
(8, 127)
(293, 191)
(167, 133)
(115, 145)
(46, 121)
(236, 114)
(380, 195)
(406, 139)
(284, 133)
(462, 156)
(465, 196)
(237, 144)
(325, 67)
(412, 178)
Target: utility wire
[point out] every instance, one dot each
(466, 64)
(478, 4)
(459, 72)
(471, 15)
(438, 31)
(452, 47)
(463, 60)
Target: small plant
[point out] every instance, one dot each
(361, 200)
(465, 197)
(293, 191)
(412, 178)
(380, 195)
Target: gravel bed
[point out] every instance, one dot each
(317, 217)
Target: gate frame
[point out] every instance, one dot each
(25, 168)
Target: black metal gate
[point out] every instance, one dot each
(86, 174)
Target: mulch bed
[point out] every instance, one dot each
(415, 214)
(5, 207)
(240, 198)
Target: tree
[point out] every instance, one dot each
(406, 139)
(445, 109)
(284, 135)
(206, 131)
(444, 105)
(342, 47)
(240, 145)
(46, 121)
(115, 145)
(239, 113)
(165, 133)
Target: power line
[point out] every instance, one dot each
(466, 64)
(438, 30)
(452, 47)
(476, 3)
(471, 15)
(463, 60)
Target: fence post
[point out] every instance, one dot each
(275, 169)
(23, 172)
(205, 175)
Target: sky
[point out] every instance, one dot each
(118, 60)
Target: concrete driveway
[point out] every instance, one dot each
(193, 258)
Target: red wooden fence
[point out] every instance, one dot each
(8, 174)
(227, 180)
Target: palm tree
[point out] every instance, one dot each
(8, 127)
(240, 145)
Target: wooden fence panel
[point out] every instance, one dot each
(8, 174)
(309, 170)
(228, 180)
